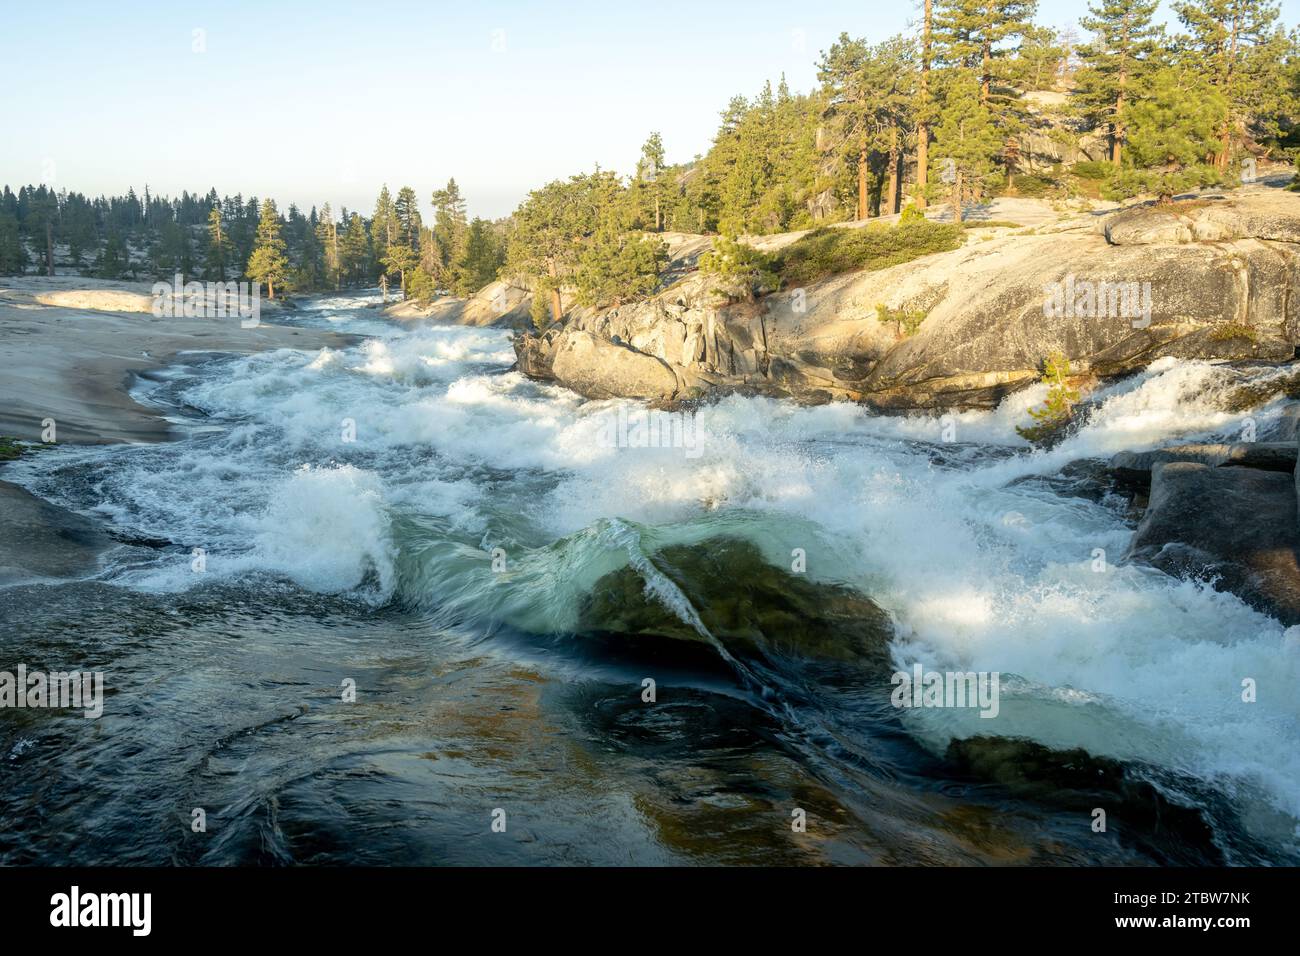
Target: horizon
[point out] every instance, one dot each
(478, 60)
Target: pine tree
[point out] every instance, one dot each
(327, 231)
(383, 228)
(924, 106)
(354, 249)
(974, 34)
(268, 263)
(1037, 63)
(870, 94)
(406, 209)
(399, 259)
(1173, 127)
(1241, 54)
(450, 227)
(13, 255)
(113, 260)
(484, 256)
(552, 229)
(651, 181)
(218, 245)
(966, 140)
(843, 74)
(616, 267)
(1124, 48)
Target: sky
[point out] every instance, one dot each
(308, 102)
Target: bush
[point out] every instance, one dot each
(1058, 408)
(744, 271)
(1233, 330)
(1031, 186)
(10, 449)
(420, 286)
(540, 308)
(826, 252)
(906, 321)
(1095, 170)
(911, 213)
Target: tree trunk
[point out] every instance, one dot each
(1117, 127)
(270, 288)
(49, 248)
(659, 222)
(1225, 150)
(922, 130)
(557, 310)
(863, 212)
(956, 198)
(986, 75)
(894, 159)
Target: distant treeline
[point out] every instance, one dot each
(227, 237)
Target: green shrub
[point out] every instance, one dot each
(911, 213)
(540, 308)
(420, 286)
(1031, 186)
(1058, 408)
(1095, 170)
(826, 252)
(906, 321)
(10, 449)
(1233, 330)
(745, 272)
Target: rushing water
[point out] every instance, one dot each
(441, 561)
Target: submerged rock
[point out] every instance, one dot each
(1233, 526)
(41, 540)
(750, 606)
(1141, 812)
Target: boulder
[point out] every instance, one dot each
(1134, 467)
(1288, 426)
(1233, 526)
(600, 368)
(499, 303)
(1267, 216)
(751, 607)
(533, 354)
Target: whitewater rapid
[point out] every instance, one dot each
(396, 470)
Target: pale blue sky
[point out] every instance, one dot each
(308, 102)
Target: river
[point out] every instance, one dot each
(411, 519)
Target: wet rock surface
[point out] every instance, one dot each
(1233, 526)
(751, 607)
